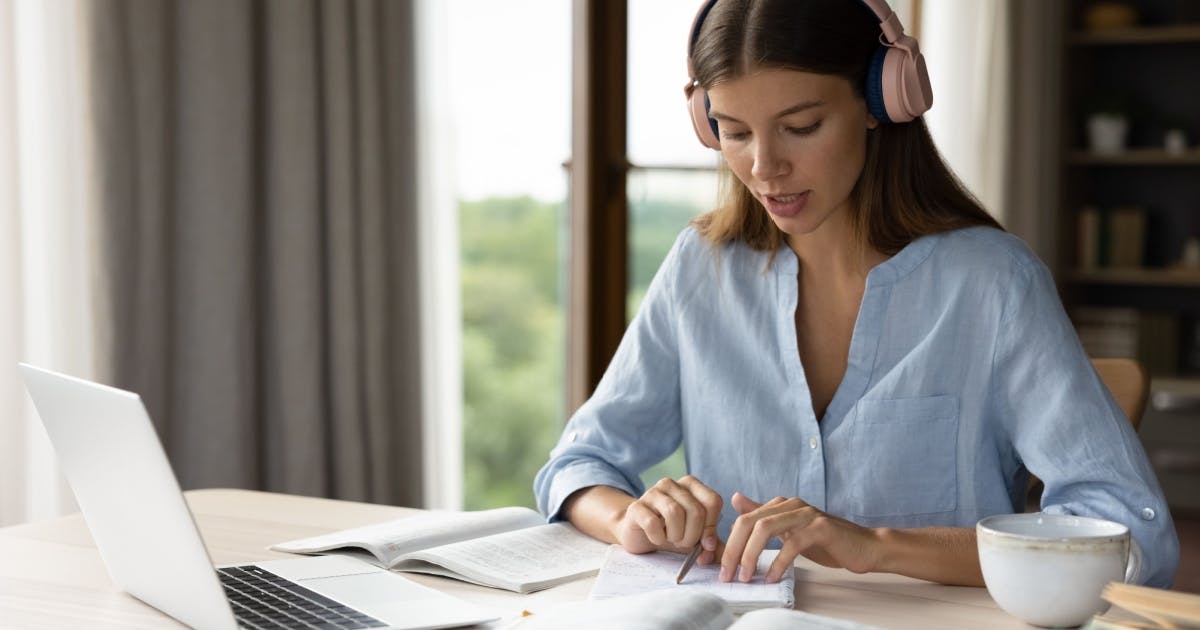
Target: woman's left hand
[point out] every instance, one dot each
(804, 530)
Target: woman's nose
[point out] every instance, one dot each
(768, 163)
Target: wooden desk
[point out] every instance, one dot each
(51, 575)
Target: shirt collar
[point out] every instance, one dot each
(886, 272)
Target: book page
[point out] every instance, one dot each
(625, 573)
(1167, 608)
(392, 539)
(523, 560)
(668, 610)
(779, 619)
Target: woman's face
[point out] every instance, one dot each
(797, 140)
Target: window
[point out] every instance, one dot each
(513, 103)
(500, 77)
(672, 177)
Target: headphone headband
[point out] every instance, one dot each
(897, 87)
(889, 22)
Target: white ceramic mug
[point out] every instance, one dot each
(1049, 569)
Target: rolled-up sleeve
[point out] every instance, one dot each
(632, 421)
(1067, 429)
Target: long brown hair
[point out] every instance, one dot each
(905, 190)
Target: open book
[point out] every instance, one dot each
(678, 610)
(625, 573)
(510, 548)
(1163, 609)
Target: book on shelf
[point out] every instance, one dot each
(1190, 363)
(1128, 237)
(511, 548)
(1087, 241)
(1111, 238)
(1151, 337)
(678, 610)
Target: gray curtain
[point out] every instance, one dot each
(1036, 32)
(255, 168)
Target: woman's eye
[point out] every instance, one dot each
(804, 131)
(734, 135)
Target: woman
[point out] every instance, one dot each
(849, 348)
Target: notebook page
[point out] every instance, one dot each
(624, 573)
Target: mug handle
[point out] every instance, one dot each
(1134, 566)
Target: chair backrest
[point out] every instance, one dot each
(1129, 384)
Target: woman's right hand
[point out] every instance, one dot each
(673, 515)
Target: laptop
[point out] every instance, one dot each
(148, 539)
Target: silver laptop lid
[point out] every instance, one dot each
(111, 456)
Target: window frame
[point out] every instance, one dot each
(598, 208)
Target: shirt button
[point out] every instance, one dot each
(572, 435)
(812, 442)
(1148, 514)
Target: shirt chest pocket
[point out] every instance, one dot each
(909, 456)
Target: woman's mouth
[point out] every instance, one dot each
(786, 206)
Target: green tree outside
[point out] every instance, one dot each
(512, 265)
(513, 346)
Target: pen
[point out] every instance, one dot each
(688, 562)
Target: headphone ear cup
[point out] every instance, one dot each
(898, 84)
(705, 127)
(914, 81)
(874, 87)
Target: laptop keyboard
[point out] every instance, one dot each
(261, 599)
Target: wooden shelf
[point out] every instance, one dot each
(1137, 157)
(1179, 394)
(1174, 34)
(1136, 277)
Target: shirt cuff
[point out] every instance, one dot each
(578, 476)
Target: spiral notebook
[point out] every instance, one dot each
(624, 573)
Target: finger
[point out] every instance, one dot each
(694, 514)
(738, 535)
(793, 525)
(709, 557)
(712, 503)
(673, 514)
(764, 529)
(783, 561)
(750, 511)
(743, 504)
(648, 520)
(763, 523)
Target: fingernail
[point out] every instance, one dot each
(709, 542)
(725, 574)
(771, 579)
(743, 574)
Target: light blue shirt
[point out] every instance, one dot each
(964, 375)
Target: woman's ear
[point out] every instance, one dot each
(872, 121)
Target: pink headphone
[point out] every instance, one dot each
(897, 87)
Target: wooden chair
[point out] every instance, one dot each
(1129, 384)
